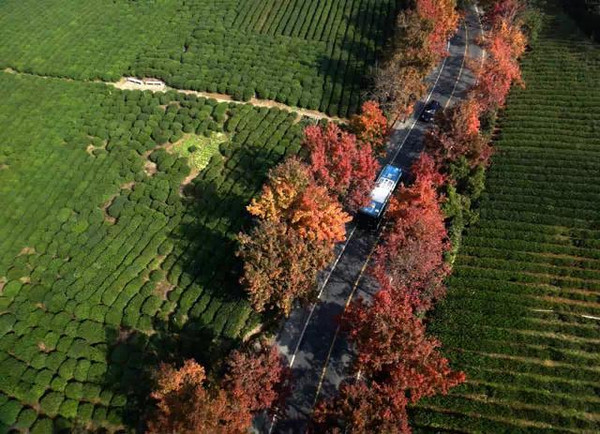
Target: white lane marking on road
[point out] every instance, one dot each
(319, 296)
(356, 283)
(339, 326)
(462, 65)
(481, 32)
(312, 310)
(425, 102)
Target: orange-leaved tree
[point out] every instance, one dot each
(291, 197)
(371, 126)
(187, 403)
(298, 224)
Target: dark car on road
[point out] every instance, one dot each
(430, 110)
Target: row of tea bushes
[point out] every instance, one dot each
(80, 39)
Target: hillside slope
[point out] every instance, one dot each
(522, 317)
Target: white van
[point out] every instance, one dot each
(135, 80)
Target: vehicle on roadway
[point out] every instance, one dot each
(430, 110)
(386, 183)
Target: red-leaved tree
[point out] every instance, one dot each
(399, 364)
(343, 165)
(257, 378)
(444, 19)
(410, 259)
(456, 134)
(363, 408)
(501, 10)
(280, 266)
(393, 347)
(505, 44)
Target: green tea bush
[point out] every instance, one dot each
(58, 384)
(9, 412)
(26, 418)
(67, 369)
(73, 390)
(42, 426)
(51, 402)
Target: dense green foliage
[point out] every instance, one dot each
(80, 39)
(106, 255)
(314, 54)
(519, 317)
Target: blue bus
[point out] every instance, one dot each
(380, 195)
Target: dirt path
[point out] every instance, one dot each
(127, 85)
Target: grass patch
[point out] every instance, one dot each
(199, 149)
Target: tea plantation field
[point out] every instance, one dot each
(111, 251)
(313, 54)
(522, 317)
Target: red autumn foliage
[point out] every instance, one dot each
(371, 126)
(456, 134)
(444, 18)
(188, 404)
(399, 365)
(257, 379)
(280, 266)
(393, 348)
(503, 10)
(410, 260)
(345, 167)
(372, 408)
(505, 44)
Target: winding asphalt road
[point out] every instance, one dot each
(317, 352)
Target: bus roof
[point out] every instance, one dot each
(384, 186)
